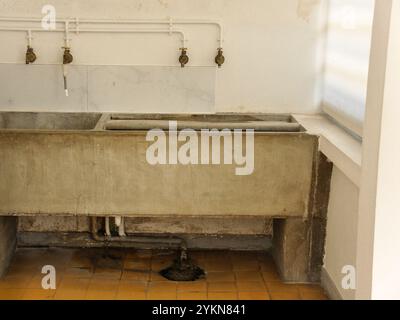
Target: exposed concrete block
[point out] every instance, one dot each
(298, 244)
(8, 242)
(84, 240)
(173, 225)
(291, 249)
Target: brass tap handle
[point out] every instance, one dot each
(183, 59)
(30, 55)
(220, 59)
(67, 57)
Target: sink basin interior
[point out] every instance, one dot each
(223, 117)
(48, 121)
(90, 121)
(260, 123)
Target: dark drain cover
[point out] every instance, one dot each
(183, 270)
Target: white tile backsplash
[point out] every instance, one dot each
(144, 89)
(41, 88)
(151, 89)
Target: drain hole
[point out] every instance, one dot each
(183, 269)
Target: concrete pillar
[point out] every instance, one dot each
(298, 243)
(8, 242)
(291, 249)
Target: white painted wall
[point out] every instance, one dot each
(270, 47)
(341, 241)
(363, 222)
(378, 258)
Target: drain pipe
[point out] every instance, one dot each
(164, 242)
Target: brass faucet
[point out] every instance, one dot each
(67, 57)
(220, 59)
(183, 59)
(30, 55)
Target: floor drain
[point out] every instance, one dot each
(183, 269)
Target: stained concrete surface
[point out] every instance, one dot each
(103, 173)
(8, 242)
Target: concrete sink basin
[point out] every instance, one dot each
(48, 121)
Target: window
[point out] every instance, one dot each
(347, 51)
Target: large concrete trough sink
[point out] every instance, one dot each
(93, 164)
(96, 165)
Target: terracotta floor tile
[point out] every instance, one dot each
(217, 255)
(221, 286)
(313, 296)
(267, 266)
(157, 295)
(135, 275)
(251, 286)
(155, 276)
(220, 276)
(19, 282)
(129, 285)
(248, 276)
(98, 274)
(160, 265)
(312, 292)
(197, 254)
(74, 284)
(80, 263)
(161, 286)
(222, 296)
(36, 281)
(192, 286)
(137, 264)
(38, 294)
(136, 254)
(285, 296)
(192, 296)
(217, 266)
(277, 286)
(107, 273)
(270, 275)
(18, 271)
(72, 272)
(98, 284)
(309, 288)
(70, 295)
(11, 294)
(246, 265)
(254, 296)
(100, 295)
(130, 295)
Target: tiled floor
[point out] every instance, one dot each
(133, 275)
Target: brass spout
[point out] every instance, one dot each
(30, 55)
(220, 59)
(183, 59)
(67, 57)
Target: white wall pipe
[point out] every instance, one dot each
(81, 30)
(66, 36)
(29, 38)
(168, 21)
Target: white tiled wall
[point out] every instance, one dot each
(151, 89)
(107, 89)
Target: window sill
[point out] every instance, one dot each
(340, 147)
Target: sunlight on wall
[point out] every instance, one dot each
(348, 45)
